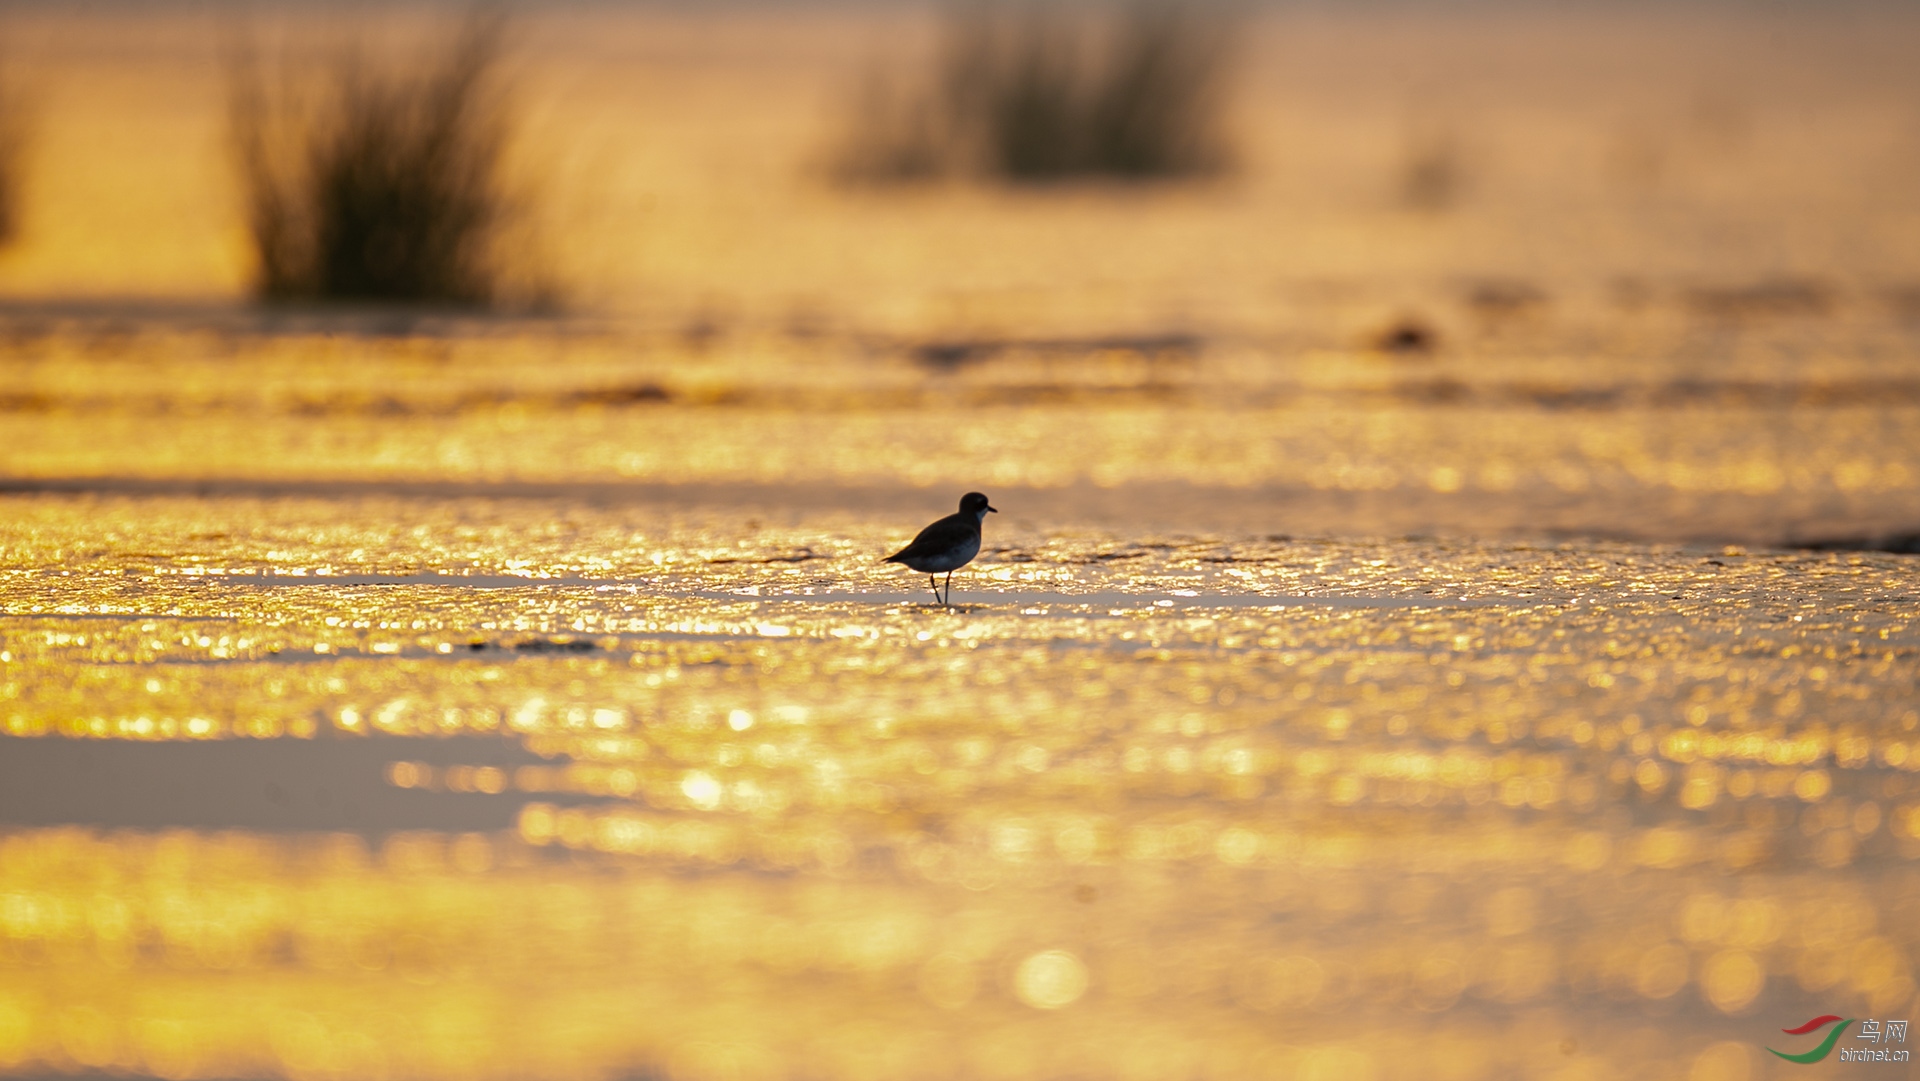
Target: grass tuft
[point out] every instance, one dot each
(387, 187)
(14, 121)
(1039, 94)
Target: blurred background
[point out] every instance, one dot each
(1604, 269)
(446, 449)
(757, 161)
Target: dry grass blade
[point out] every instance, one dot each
(390, 190)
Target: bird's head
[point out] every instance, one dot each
(976, 504)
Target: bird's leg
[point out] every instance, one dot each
(949, 587)
(934, 584)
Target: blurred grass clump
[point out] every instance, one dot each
(379, 184)
(14, 120)
(1033, 93)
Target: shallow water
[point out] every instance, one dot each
(633, 799)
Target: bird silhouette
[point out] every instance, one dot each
(948, 544)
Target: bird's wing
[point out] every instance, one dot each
(932, 540)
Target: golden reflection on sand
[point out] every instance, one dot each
(1541, 805)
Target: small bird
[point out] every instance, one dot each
(948, 544)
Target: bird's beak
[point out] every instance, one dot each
(993, 508)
